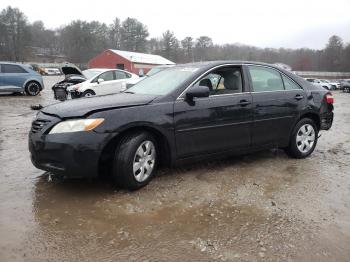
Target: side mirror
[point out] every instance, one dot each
(198, 91)
(100, 80)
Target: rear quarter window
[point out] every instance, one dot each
(289, 84)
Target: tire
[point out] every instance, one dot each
(303, 139)
(88, 93)
(32, 88)
(135, 160)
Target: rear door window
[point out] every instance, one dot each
(12, 69)
(120, 75)
(265, 79)
(289, 84)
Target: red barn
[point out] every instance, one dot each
(130, 61)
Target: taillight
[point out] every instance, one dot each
(329, 98)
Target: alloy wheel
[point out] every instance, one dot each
(305, 138)
(144, 161)
(33, 89)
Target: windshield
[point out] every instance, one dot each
(154, 70)
(90, 73)
(163, 82)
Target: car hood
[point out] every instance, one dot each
(71, 70)
(85, 106)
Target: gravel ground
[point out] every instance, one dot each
(259, 207)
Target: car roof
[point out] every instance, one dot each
(99, 69)
(163, 66)
(4, 62)
(220, 62)
(210, 64)
(107, 69)
(11, 63)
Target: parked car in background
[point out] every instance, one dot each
(181, 114)
(345, 85)
(72, 76)
(38, 69)
(52, 71)
(19, 78)
(333, 85)
(320, 83)
(106, 81)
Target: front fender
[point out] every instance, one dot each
(157, 118)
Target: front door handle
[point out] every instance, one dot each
(244, 102)
(299, 97)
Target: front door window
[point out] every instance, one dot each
(222, 81)
(107, 76)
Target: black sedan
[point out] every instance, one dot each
(187, 112)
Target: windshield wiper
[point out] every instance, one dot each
(129, 92)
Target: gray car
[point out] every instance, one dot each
(19, 78)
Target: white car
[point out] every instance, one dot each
(102, 82)
(334, 85)
(319, 82)
(52, 71)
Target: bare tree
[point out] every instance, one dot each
(203, 44)
(333, 53)
(170, 45)
(115, 34)
(133, 35)
(14, 34)
(188, 44)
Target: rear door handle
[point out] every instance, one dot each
(299, 97)
(244, 103)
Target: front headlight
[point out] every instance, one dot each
(76, 125)
(75, 87)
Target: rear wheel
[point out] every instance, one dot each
(32, 88)
(135, 160)
(303, 139)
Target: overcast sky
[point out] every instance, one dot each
(263, 23)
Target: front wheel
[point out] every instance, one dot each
(303, 139)
(135, 160)
(88, 93)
